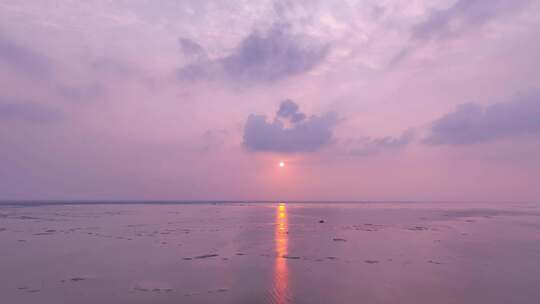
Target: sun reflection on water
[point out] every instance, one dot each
(281, 239)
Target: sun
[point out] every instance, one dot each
(281, 164)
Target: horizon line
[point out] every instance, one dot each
(18, 202)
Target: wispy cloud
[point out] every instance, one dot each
(463, 16)
(460, 18)
(368, 146)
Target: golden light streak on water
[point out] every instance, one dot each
(281, 271)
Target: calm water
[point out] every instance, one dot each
(270, 253)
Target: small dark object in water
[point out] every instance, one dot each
(218, 290)
(339, 240)
(321, 221)
(77, 279)
(290, 257)
(418, 228)
(371, 261)
(331, 257)
(205, 256)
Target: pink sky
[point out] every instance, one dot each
(363, 100)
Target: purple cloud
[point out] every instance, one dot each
(28, 111)
(463, 15)
(311, 134)
(191, 49)
(23, 59)
(471, 123)
(85, 92)
(260, 57)
(367, 146)
(289, 109)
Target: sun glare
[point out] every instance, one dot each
(281, 164)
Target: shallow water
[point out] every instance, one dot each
(270, 253)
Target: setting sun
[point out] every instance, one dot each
(281, 164)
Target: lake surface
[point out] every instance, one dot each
(270, 253)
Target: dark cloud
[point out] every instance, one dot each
(262, 57)
(471, 123)
(196, 71)
(273, 55)
(290, 110)
(191, 49)
(23, 59)
(287, 108)
(28, 111)
(307, 135)
(367, 146)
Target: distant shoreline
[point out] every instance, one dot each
(32, 203)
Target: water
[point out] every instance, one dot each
(270, 253)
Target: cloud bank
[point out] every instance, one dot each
(471, 123)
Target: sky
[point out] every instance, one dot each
(434, 100)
